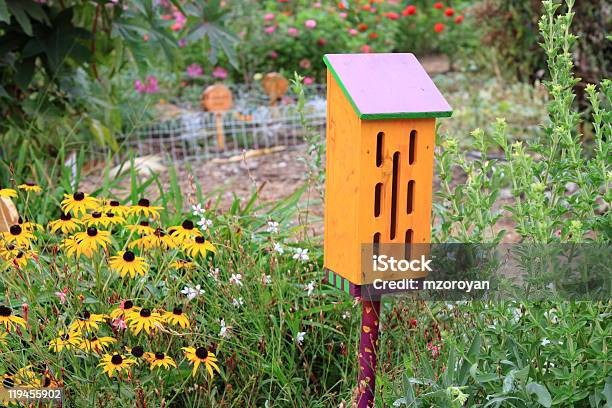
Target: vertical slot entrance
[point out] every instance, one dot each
(412, 147)
(376, 244)
(377, 198)
(394, 188)
(379, 148)
(410, 197)
(407, 244)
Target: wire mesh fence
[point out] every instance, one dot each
(184, 132)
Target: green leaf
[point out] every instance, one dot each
(541, 392)
(103, 135)
(25, 72)
(5, 16)
(20, 15)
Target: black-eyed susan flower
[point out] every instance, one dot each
(125, 307)
(30, 187)
(182, 265)
(65, 224)
(18, 235)
(113, 364)
(87, 322)
(112, 219)
(71, 246)
(65, 340)
(79, 203)
(96, 344)
(198, 246)
(127, 263)
(9, 320)
(145, 209)
(176, 317)
(27, 377)
(91, 240)
(162, 360)
(137, 352)
(145, 319)
(8, 193)
(104, 220)
(20, 258)
(201, 355)
(159, 239)
(142, 228)
(115, 207)
(30, 226)
(184, 232)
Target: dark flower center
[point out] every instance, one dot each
(92, 232)
(200, 240)
(144, 223)
(188, 224)
(29, 183)
(96, 214)
(201, 353)
(65, 217)
(10, 247)
(138, 351)
(5, 311)
(65, 336)
(20, 255)
(128, 304)
(114, 203)
(78, 196)
(145, 313)
(177, 311)
(116, 359)
(8, 383)
(143, 202)
(46, 382)
(129, 256)
(93, 339)
(110, 214)
(15, 230)
(86, 315)
(159, 356)
(159, 233)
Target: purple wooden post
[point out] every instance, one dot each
(368, 352)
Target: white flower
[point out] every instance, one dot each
(198, 210)
(301, 254)
(236, 279)
(224, 331)
(346, 315)
(516, 314)
(310, 287)
(299, 338)
(266, 280)
(278, 248)
(214, 273)
(552, 316)
(272, 227)
(238, 302)
(204, 223)
(545, 341)
(191, 292)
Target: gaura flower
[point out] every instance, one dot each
(91, 240)
(185, 231)
(201, 355)
(125, 307)
(176, 318)
(66, 224)
(198, 246)
(87, 322)
(127, 263)
(18, 235)
(145, 319)
(96, 344)
(8, 193)
(115, 364)
(30, 187)
(79, 203)
(145, 209)
(65, 340)
(9, 320)
(143, 228)
(162, 360)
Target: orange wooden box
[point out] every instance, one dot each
(381, 112)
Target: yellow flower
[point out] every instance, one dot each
(91, 240)
(115, 207)
(98, 219)
(8, 193)
(185, 231)
(79, 203)
(26, 377)
(159, 239)
(66, 224)
(30, 187)
(126, 307)
(65, 340)
(201, 355)
(143, 228)
(115, 364)
(96, 344)
(3, 341)
(18, 235)
(137, 352)
(198, 246)
(181, 264)
(30, 226)
(162, 360)
(126, 263)
(72, 248)
(145, 209)
(145, 320)
(176, 317)
(9, 320)
(87, 322)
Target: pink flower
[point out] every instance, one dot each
(435, 350)
(293, 32)
(317, 5)
(308, 80)
(321, 41)
(273, 54)
(152, 86)
(310, 24)
(139, 86)
(305, 63)
(219, 72)
(194, 70)
(119, 323)
(366, 48)
(342, 15)
(353, 32)
(182, 43)
(270, 29)
(145, 37)
(179, 21)
(62, 295)
(269, 17)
